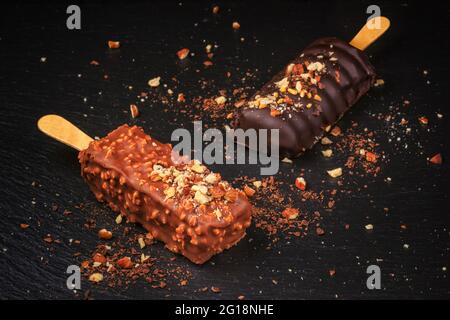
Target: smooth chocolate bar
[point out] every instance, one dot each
(192, 210)
(310, 94)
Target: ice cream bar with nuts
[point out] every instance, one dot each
(192, 210)
(310, 94)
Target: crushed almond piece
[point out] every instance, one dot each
(325, 141)
(287, 160)
(182, 53)
(257, 184)
(134, 111)
(379, 82)
(105, 234)
(99, 258)
(141, 243)
(336, 131)
(215, 9)
(96, 277)
(197, 167)
(215, 289)
(24, 226)
(201, 198)
(290, 213)
(211, 178)
(240, 103)
(181, 98)
(218, 213)
(249, 191)
(327, 153)
(220, 100)
(144, 258)
(236, 25)
(119, 219)
(170, 192)
(300, 183)
(125, 263)
(113, 44)
(274, 112)
(369, 226)
(371, 157)
(155, 82)
(292, 91)
(335, 172)
(436, 159)
(423, 120)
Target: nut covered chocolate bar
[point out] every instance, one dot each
(310, 94)
(192, 210)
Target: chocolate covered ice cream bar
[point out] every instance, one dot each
(192, 210)
(310, 94)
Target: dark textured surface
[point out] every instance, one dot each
(150, 35)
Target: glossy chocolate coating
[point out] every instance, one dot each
(134, 175)
(348, 75)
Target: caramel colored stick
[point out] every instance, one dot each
(366, 36)
(64, 131)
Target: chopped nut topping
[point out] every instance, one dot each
(436, 159)
(96, 277)
(182, 53)
(218, 214)
(134, 111)
(300, 183)
(336, 131)
(181, 98)
(201, 198)
(423, 120)
(105, 234)
(220, 100)
(170, 192)
(113, 44)
(290, 213)
(197, 167)
(141, 243)
(379, 82)
(257, 184)
(125, 263)
(335, 172)
(154, 82)
(211, 178)
(249, 191)
(327, 153)
(370, 156)
(325, 141)
(236, 25)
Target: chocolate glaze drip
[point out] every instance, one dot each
(128, 171)
(347, 77)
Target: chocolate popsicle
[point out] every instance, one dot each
(310, 94)
(192, 210)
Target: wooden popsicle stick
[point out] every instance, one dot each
(366, 36)
(64, 131)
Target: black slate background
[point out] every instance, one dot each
(150, 34)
